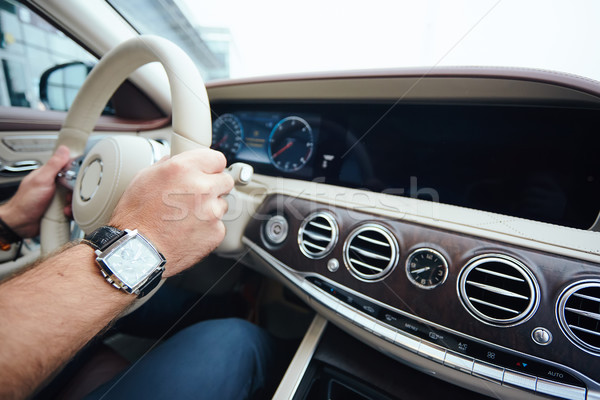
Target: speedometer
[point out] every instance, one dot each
(291, 144)
(228, 134)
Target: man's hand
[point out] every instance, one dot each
(24, 211)
(177, 205)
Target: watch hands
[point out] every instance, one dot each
(418, 271)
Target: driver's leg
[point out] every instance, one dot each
(218, 359)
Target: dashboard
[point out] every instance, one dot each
(538, 163)
(452, 230)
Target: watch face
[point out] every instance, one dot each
(133, 261)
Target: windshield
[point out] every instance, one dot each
(237, 38)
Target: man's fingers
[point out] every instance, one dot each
(226, 184)
(207, 160)
(68, 210)
(215, 184)
(59, 159)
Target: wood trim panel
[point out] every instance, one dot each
(27, 119)
(442, 304)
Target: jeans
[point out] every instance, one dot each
(217, 359)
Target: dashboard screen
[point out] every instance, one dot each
(532, 163)
(270, 141)
(538, 163)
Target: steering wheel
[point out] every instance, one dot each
(110, 165)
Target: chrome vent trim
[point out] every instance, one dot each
(498, 290)
(371, 252)
(318, 235)
(578, 314)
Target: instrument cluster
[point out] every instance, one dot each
(285, 142)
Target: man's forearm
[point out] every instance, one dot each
(57, 306)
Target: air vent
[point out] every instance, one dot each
(578, 313)
(370, 252)
(318, 235)
(498, 290)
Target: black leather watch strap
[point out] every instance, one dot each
(152, 282)
(103, 237)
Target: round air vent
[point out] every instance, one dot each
(498, 290)
(318, 235)
(578, 313)
(370, 252)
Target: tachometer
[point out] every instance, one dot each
(228, 134)
(291, 144)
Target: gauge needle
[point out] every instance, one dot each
(223, 140)
(289, 144)
(418, 271)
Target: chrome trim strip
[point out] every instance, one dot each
(501, 275)
(307, 243)
(99, 179)
(374, 241)
(354, 260)
(313, 223)
(485, 303)
(369, 254)
(534, 288)
(459, 362)
(583, 296)
(295, 372)
(403, 340)
(487, 371)
(519, 380)
(559, 390)
(392, 244)
(322, 251)
(317, 236)
(584, 330)
(496, 290)
(585, 314)
(560, 314)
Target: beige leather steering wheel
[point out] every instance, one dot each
(111, 164)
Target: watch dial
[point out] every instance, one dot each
(133, 261)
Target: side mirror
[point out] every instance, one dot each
(60, 84)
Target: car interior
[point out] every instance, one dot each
(403, 233)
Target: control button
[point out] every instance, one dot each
(333, 265)
(407, 342)
(558, 375)
(335, 304)
(363, 322)
(391, 318)
(459, 362)
(488, 371)
(246, 173)
(346, 312)
(432, 352)
(385, 332)
(367, 307)
(541, 336)
(519, 380)
(276, 229)
(560, 390)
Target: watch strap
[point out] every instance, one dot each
(151, 283)
(103, 237)
(7, 236)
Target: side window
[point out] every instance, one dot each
(31, 51)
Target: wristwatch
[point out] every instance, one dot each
(127, 260)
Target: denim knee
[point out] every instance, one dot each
(224, 359)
